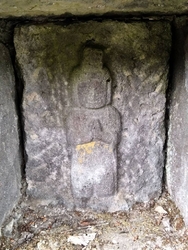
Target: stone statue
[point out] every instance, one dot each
(93, 128)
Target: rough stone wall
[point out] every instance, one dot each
(10, 164)
(135, 56)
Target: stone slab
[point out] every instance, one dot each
(72, 135)
(10, 165)
(177, 154)
(20, 8)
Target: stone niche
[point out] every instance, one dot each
(94, 109)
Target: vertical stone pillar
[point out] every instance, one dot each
(177, 154)
(10, 174)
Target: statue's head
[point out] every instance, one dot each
(94, 86)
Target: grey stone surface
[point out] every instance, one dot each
(17, 8)
(10, 172)
(177, 157)
(127, 69)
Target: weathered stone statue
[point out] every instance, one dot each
(93, 129)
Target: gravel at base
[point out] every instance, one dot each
(158, 226)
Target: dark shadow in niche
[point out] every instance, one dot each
(19, 88)
(176, 64)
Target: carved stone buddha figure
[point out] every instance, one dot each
(93, 128)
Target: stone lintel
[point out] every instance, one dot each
(35, 8)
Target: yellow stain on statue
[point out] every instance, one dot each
(88, 148)
(84, 149)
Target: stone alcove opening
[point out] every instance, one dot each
(126, 63)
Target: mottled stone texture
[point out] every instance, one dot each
(85, 7)
(10, 175)
(94, 104)
(177, 151)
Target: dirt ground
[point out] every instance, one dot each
(155, 226)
